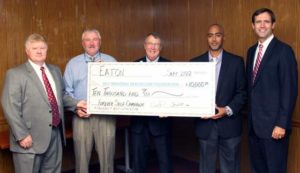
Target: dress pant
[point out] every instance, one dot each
(268, 155)
(141, 146)
(227, 149)
(48, 162)
(98, 131)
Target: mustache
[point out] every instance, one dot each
(91, 45)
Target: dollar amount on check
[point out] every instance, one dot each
(152, 89)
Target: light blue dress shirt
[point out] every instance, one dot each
(218, 61)
(75, 76)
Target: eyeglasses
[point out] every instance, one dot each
(88, 40)
(153, 44)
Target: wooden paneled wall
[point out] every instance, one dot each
(124, 23)
(184, 25)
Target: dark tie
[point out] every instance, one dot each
(51, 99)
(257, 63)
(93, 58)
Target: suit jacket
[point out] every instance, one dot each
(273, 94)
(156, 125)
(26, 107)
(231, 91)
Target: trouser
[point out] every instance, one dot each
(141, 145)
(268, 155)
(99, 130)
(48, 162)
(227, 149)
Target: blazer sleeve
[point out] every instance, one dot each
(288, 79)
(240, 95)
(12, 104)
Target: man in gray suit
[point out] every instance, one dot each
(32, 100)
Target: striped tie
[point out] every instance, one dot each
(51, 99)
(257, 64)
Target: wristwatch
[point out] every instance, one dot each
(228, 111)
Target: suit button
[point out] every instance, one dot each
(50, 125)
(50, 111)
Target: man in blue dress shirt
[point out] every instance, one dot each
(90, 129)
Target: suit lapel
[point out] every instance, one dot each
(251, 61)
(160, 59)
(223, 71)
(206, 58)
(35, 79)
(57, 83)
(265, 59)
(144, 59)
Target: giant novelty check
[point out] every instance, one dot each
(161, 89)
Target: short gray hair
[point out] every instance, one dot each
(156, 35)
(35, 38)
(90, 30)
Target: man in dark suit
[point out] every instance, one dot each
(221, 133)
(272, 92)
(142, 128)
(32, 100)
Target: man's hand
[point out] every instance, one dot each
(221, 113)
(278, 132)
(26, 142)
(81, 109)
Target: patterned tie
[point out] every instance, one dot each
(93, 58)
(51, 99)
(257, 64)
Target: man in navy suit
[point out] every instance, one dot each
(221, 133)
(272, 92)
(142, 128)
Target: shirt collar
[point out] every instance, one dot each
(88, 58)
(216, 59)
(148, 60)
(35, 66)
(266, 42)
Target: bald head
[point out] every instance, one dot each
(215, 38)
(218, 26)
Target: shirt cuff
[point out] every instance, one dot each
(228, 111)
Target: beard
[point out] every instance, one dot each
(216, 48)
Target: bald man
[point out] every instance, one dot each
(221, 133)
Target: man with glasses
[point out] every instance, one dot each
(142, 128)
